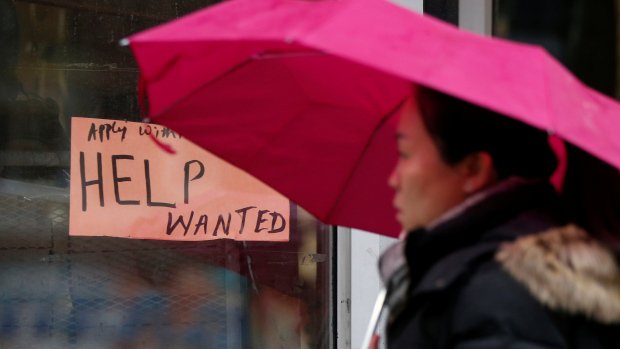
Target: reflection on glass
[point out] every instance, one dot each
(61, 59)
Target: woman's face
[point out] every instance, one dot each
(425, 186)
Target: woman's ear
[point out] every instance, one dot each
(478, 172)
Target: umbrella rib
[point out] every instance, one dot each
(286, 125)
(387, 116)
(274, 55)
(240, 65)
(227, 72)
(258, 154)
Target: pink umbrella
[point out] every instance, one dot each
(301, 94)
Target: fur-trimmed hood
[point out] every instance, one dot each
(566, 270)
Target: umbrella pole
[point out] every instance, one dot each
(374, 318)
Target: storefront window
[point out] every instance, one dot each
(581, 34)
(60, 59)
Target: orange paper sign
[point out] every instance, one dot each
(124, 184)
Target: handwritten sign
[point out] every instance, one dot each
(124, 184)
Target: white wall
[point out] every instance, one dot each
(365, 283)
(415, 5)
(476, 16)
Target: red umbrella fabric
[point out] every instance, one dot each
(302, 94)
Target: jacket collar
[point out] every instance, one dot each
(444, 252)
(431, 260)
(393, 258)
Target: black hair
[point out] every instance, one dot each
(591, 194)
(459, 129)
(591, 191)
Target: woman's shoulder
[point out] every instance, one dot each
(562, 269)
(538, 284)
(567, 271)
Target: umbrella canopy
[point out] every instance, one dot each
(302, 94)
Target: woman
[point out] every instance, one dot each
(490, 258)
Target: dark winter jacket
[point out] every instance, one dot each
(508, 273)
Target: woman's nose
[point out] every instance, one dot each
(393, 178)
